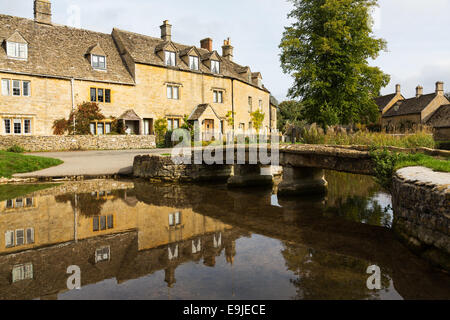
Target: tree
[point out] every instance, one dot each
(230, 118)
(326, 50)
(257, 119)
(289, 111)
(161, 129)
(84, 115)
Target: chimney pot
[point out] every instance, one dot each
(419, 91)
(440, 88)
(398, 89)
(207, 44)
(227, 50)
(166, 31)
(43, 11)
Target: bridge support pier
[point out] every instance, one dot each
(302, 181)
(249, 175)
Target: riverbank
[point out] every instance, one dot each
(13, 163)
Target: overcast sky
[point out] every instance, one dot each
(417, 31)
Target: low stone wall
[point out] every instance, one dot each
(421, 201)
(66, 143)
(155, 167)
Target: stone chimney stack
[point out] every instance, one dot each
(207, 44)
(398, 89)
(440, 88)
(166, 31)
(43, 11)
(227, 50)
(419, 91)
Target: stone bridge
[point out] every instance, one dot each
(303, 166)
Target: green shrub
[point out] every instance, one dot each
(16, 149)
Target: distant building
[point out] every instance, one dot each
(384, 103)
(407, 113)
(440, 121)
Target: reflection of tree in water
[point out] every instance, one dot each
(349, 196)
(89, 204)
(322, 275)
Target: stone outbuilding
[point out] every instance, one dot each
(440, 121)
(384, 103)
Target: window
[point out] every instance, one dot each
(92, 128)
(30, 236)
(173, 92)
(20, 239)
(218, 96)
(6, 91)
(27, 126)
(9, 239)
(175, 219)
(260, 104)
(102, 223)
(193, 63)
(217, 240)
(98, 62)
(16, 88)
(250, 104)
(170, 58)
(26, 88)
(17, 50)
(100, 95)
(215, 66)
(102, 254)
(100, 129)
(19, 203)
(22, 272)
(196, 246)
(173, 123)
(29, 202)
(172, 252)
(17, 126)
(107, 128)
(9, 204)
(7, 124)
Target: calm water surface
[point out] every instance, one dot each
(138, 240)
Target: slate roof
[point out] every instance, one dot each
(383, 101)
(142, 49)
(130, 115)
(61, 51)
(440, 118)
(410, 106)
(274, 101)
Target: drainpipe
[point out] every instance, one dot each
(73, 103)
(232, 104)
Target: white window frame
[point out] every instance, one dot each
(29, 239)
(103, 254)
(173, 92)
(15, 87)
(6, 87)
(10, 237)
(218, 96)
(5, 128)
(24, 129)
(96, 63)
(194, 63)
(17, 50)
(28, 83)
(170, 59)
(215, 66)
(22, 272)
(17, 237)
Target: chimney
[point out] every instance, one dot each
(207, 44)
(43, 11)
(166, 31)
(440, 88)
(398, 89)
(227, 50)
(419, 91)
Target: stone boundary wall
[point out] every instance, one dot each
(73, 143)
(421, 202)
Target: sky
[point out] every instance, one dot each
(417, 32)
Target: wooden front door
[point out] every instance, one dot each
(208, 130)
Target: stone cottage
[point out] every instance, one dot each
(384, 103)
(407, 113)
(46, 70)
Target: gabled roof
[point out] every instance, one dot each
(60, 51)
(129, 115)
(213, 55)
(410, 106)
(441, 117)
(167, 45)
(97, 50)
(199, 110)
(383, 101)
(141, 48)
(189, 51)
(17, 37)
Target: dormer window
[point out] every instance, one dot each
(215, 66)
(17, 50)
(170, 59)
(193, 63)
(98, 62)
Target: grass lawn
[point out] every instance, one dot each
(13, 191)
(419, 159)
(12, 163)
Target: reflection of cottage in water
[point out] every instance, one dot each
(108, 234)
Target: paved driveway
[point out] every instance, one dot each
(90, 163)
